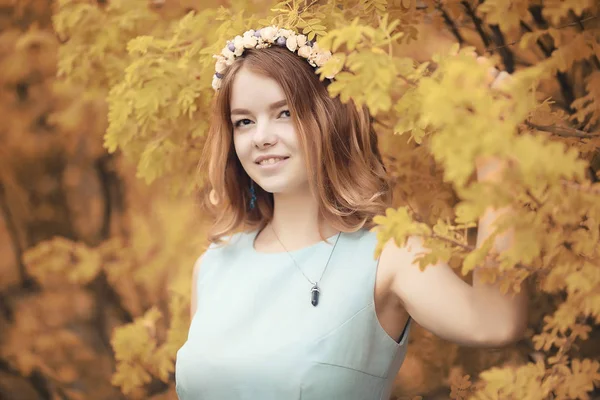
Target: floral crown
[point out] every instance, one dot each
(266, 37)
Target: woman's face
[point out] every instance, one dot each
(262, 126)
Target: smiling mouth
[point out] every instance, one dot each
(272, 166)
(267, 163)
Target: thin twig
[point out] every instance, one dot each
(595, 189)
(405, 79)
(563, 131)
(560, 27)
(452, 241)
(535, 199)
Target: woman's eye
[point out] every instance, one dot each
(246, 121)
(242, 122)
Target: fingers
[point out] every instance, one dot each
(492, 72)
(501, 79)
(495, 78)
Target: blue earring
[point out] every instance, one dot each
(253, 193)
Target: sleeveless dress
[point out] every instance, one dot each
(256, 336)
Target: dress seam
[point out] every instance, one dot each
(351, 369)
(342, 324)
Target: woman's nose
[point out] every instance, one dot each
(264, 134)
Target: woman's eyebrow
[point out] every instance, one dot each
(273, 106)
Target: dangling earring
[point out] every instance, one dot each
(253, 193)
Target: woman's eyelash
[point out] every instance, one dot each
(237, 124)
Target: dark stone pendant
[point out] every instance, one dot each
(314, 295)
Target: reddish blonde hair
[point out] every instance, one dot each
(338, 142)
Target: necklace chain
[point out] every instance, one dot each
(297, 266)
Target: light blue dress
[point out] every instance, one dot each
(256, 336)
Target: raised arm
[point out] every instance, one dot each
(478, 315)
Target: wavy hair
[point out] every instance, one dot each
(338, 142)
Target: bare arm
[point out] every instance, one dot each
(194, 296)
(441, 302)
(478, 315)
(511, 307)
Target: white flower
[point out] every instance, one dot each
(291, 43)
(305, 51)
(221, 65)
(301, 40)
(285, 33)
(226, 52)
(268, 33)
(238, 43)
(216, 83)
(298, 43)
(249, 40)
(322, 57)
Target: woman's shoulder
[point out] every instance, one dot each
(363, 237)
(228, 242)
(216, 252)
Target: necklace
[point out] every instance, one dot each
(315, 291)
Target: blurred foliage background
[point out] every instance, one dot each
(97, 247)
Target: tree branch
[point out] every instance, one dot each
(26, 280)
(448, 21)
(579, 21)
(478, 23)
(507, 55)
(547, 52)
(106, 297)
(497, 37)
(565, 87)
(113, 191)
(563, 131)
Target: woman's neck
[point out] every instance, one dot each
(273, 239)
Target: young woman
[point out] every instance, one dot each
(278, 312)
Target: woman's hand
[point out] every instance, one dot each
(495, 77)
